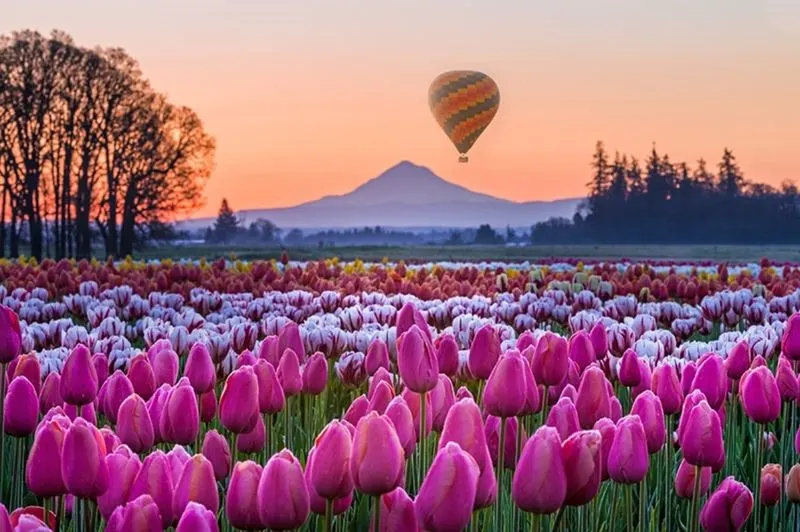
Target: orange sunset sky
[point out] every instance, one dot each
(313, 97)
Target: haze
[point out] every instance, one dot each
(313, 98)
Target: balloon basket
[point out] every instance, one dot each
(463, 159)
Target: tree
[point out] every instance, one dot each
(487, 236)
(731, 180)
(227, 225)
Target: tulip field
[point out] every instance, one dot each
(352, 396)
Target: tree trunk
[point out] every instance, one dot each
(13, 237)
(3, 220)
(128, 220)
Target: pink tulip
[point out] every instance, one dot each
(564, 417)
(318, 503)
(447, 494)
(540, 484)
(197, 518)
(165, 366)
(486, 494)
(786, 380)
(381, 375)
(770, 486)
(43, 468)
(760, 396)
(21, 408)
(484, 352)
(728, 508)
(607, 430)
(738, 360)
(357, 409)
(288, 372)
(701, 437)
(630, 372)
(667, 387)
(505, 392)
(712, 379)
(592, 402)
(117, 388)
(399, 414)
(28, 366)
(414, 402)
(492, 429)
(599, 339)
(790, 341)
(134, 426)
(582, 455)
(376, 463)
(648, 407)
(685, 478)
(282, 493)
(289, 338)
(83, 462)
(416, 361)
(142, 377)
(269, 350)
(180, 420)
(271, 398)
(315, 374)
(241, 498)
(253, 441)
(397, 512)
(581, 350)
(200, 369)
(407, 317)
(381, 397)
(122, 471)
(464, 426)
(238, 404)
(628, 460)
(50, 395)
(79, 383)
(196, 483)
(331, 478)
(377, 357)
(551, 360)
(155, 480)
(447, 354)
(533, 401)
(443, 397)
(217, 451)
(140, 513)
(10, 335)
(687, 376)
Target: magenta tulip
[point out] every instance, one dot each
(50, 394)
(21, 408)
(712, 379)
(667, 387)
(241, 498)
(377, 461)
(122, 471)
(271, 398)
(581, 350)
(760, 396)
(165, 366)
(180, 420)
(701, 437)
(416, 361)
(443, 397)
(381, 397)
(282, 493)
(685, 479)
(550, 360)
(217, 451)
(155, 480)
(253, 441)
(43, 468)
(648, 407)
(607, 430)
(790, 341)
(582, 455)
(238, 404)
(117, 388)
(630, 372)
(134, 426)
(505, 392)
(592, 402)
(141, 375)
(318, 503)
(540, 484)
(728, 508)
(79, 378)
(196, 483)
(141, 513)
(200, 368)
(403, 421)
(397, 512)
(447, 354)
(315, 374)
(83, 462)
(738, 360)
(484, 352)
(447, 493)
(377, 357)
(628, 459)
(288, 372)
(197, 518)
(564, 417)
(10, 335)
(331, 477)
(464, 426)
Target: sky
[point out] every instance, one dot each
(313, 97)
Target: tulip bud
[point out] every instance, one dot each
(21, 408)
(564, 417)
(253, 441)
(141, 513)
(288, 372)
(122, 471)
(117, 388)
(760, 397)
(331, 476)
(400, 415)
(377, 357)
(83, 463)
(200, 369)
(241, 499)
(505, 392)
(218, 452)
(685, 477)
(540, 484)
(27, 366)
(738, 360)
(357, 409)
(728, 508)
(165, 366)
(315, 374)
(770, 485)
(667, 388)
(10, 335)
(180, 420)
(381, 375)
(592, 401)
(196, 483)
(50, 395)
(271, 399)
(793, 484)
(648, 407)
(134, 426)
(196, 518)
(630, 372)
(582, 455)
(319, 504)
(282, 493)
(701, 436)
(238, 404)
(141, 375)
(397, 512)
(289, 338)
(447, 494)
(581, 350)
(607, 430)
(101, 367)
(79, 378)
(464, 426)
(790, 341)
(416, 361)
(712, 379)
(447, 354)
(155, 480)
(381, 397)
(409, 316)
(484, 352)
(550, 361)
(43, 468)
(443, 397)
(376, 463)
(786, 380)
(628, 460)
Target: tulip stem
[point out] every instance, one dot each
(329, 515)
(757, 468)
(287, 419)
(2, 425)
(559, 515)
(692, 524)
(629, 506)
(377, 513)
(501, 447)
(642, 504)
(422, 433)
(516, 460)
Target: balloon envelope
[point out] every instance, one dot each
(463, 102)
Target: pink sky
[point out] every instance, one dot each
(314, 97)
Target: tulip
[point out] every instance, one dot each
(648, 407)
(758, 361)
(691, 400)
(241, 499)
(288, 373)
(790, 341)
(728, 508)
(196, 483)
(331, 477)
(533, 402)
(101, 367)
(28, 366)
(667, 387)
(793, 484)
(770, 485)
(607, 430)
(400, 415)
(443, 397)
(122, 471)
(268, 350)
(376, 463)
(564, 417)
(711, 379)
(141, 513)
(738, 360)
(599, 339)
(377, 357)
(320, 505)
(155, 407)
(141, 375)
(381, 397)
(592, 401)
(616, 409)
(685, 479)
(196, 518)
(416, 361)
(414, 402)
(289, 338)
(177, 458)
(582, 455)
(50, 395)
(381, 375)
(155, 480)
(760, 396)
(238, 404)
(86, 412)
(409, 316)
(486, 494)
(5, 522)
(315, 374)
(134, 426)
(200, 369)
(505, 392)
(581, 350)
(464, 393)
(282, 493)
(110, 439)
(253, 441)
(208, 406)
(357, 409)
(79, 378)
(21, 408)
(180, 420)
(83, 464)
(10, 335)
(628, 459)
(216, 450)
(786, 380)
(492, 430)
(43, 468)
(447, 493)
(484, 352)
(687, 376)
(550, 360)
(117, 388)
(447, 354)
(397, 512)
(271, 399)
(464, 426)
(701, 437)
(630, 372)
(245, 358)
(540, 485)
(165, 366)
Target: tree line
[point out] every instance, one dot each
(89, 150)
(660, 201)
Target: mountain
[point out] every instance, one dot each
(409, 196)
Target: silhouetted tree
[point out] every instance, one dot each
(226, 225)
(487, 236)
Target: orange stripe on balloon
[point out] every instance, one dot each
(467, 127)
(462, 100)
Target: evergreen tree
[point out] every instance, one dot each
(227, 225)
(731, 181)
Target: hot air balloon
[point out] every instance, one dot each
(463, 102)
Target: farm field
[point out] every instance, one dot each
(336, 394)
